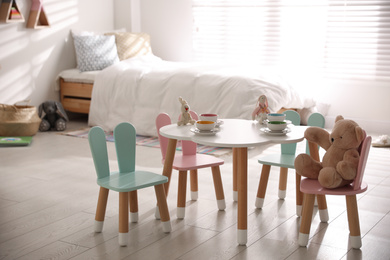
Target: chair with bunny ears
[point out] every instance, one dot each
(126, 181)
(311, 188)
(285, 161)
(191, 161)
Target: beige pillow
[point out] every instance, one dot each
(131, 44)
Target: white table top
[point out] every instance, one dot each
(234, 133)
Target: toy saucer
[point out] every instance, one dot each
(203, 132)
(267, 131)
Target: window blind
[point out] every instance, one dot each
(347, 39)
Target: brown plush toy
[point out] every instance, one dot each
(339, 164)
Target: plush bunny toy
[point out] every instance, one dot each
(53, 116)
(185, 114)
(261, 110)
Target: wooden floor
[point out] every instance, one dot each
(48, 195)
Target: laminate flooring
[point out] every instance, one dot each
(48, 196)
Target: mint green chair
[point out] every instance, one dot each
(285, 161)
(126, 181)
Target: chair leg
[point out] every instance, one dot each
(181, 195)
(235, 169)
(282, 183)
(218, 187)
(194, 184)
(307, 213)
(123, 218)
(353, 222)
(298, 194)
(262, 186)
(101, 209)
(167, 170)
(163, 208)
(322, 208)
(133, 201)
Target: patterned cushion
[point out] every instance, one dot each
(131, 44)
(95, 52)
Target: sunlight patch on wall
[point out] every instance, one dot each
(24, 80)
(13, 42)
(15, 84)
(61, 15)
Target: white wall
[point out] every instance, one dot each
(169, 23)
(30, 59)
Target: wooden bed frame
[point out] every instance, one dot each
(76, 97)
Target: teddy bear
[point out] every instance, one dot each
(340, 161)
(53, 116)
(185, 117)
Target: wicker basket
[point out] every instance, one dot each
(17, 120)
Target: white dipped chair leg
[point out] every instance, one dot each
(181, 212)
(123, 239)
(324, 216)
(221, 204)
(99, 226)
(166, 226)
(133, 217)
(194, 195)
(259, 203)
(303, 239)
(157, 213)
(235, 196)
(282, 194)
(355, 241)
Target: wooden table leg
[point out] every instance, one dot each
(242, 207)
(167, 170)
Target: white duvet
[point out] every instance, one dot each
(138, 89)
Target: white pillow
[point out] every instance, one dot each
(95, 52)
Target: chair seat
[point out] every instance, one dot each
(129, 181)
(281, 160)
(193, 162)
(311, 186)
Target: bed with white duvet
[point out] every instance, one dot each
(136, 90)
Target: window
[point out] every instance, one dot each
(342, 39)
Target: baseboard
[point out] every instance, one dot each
(370, 126)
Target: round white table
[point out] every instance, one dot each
(238, 134)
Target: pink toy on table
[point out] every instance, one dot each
(261, 110)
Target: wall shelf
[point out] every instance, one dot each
(10, 12)
(37, 18)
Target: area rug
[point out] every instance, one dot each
(151, 141)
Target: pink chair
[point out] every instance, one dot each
(310, 188)
(191, 161)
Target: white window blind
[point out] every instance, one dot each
(347, 39)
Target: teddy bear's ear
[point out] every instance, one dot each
(359, 133)
(338, 118)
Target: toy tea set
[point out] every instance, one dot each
(209, 123)
(276, 123)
